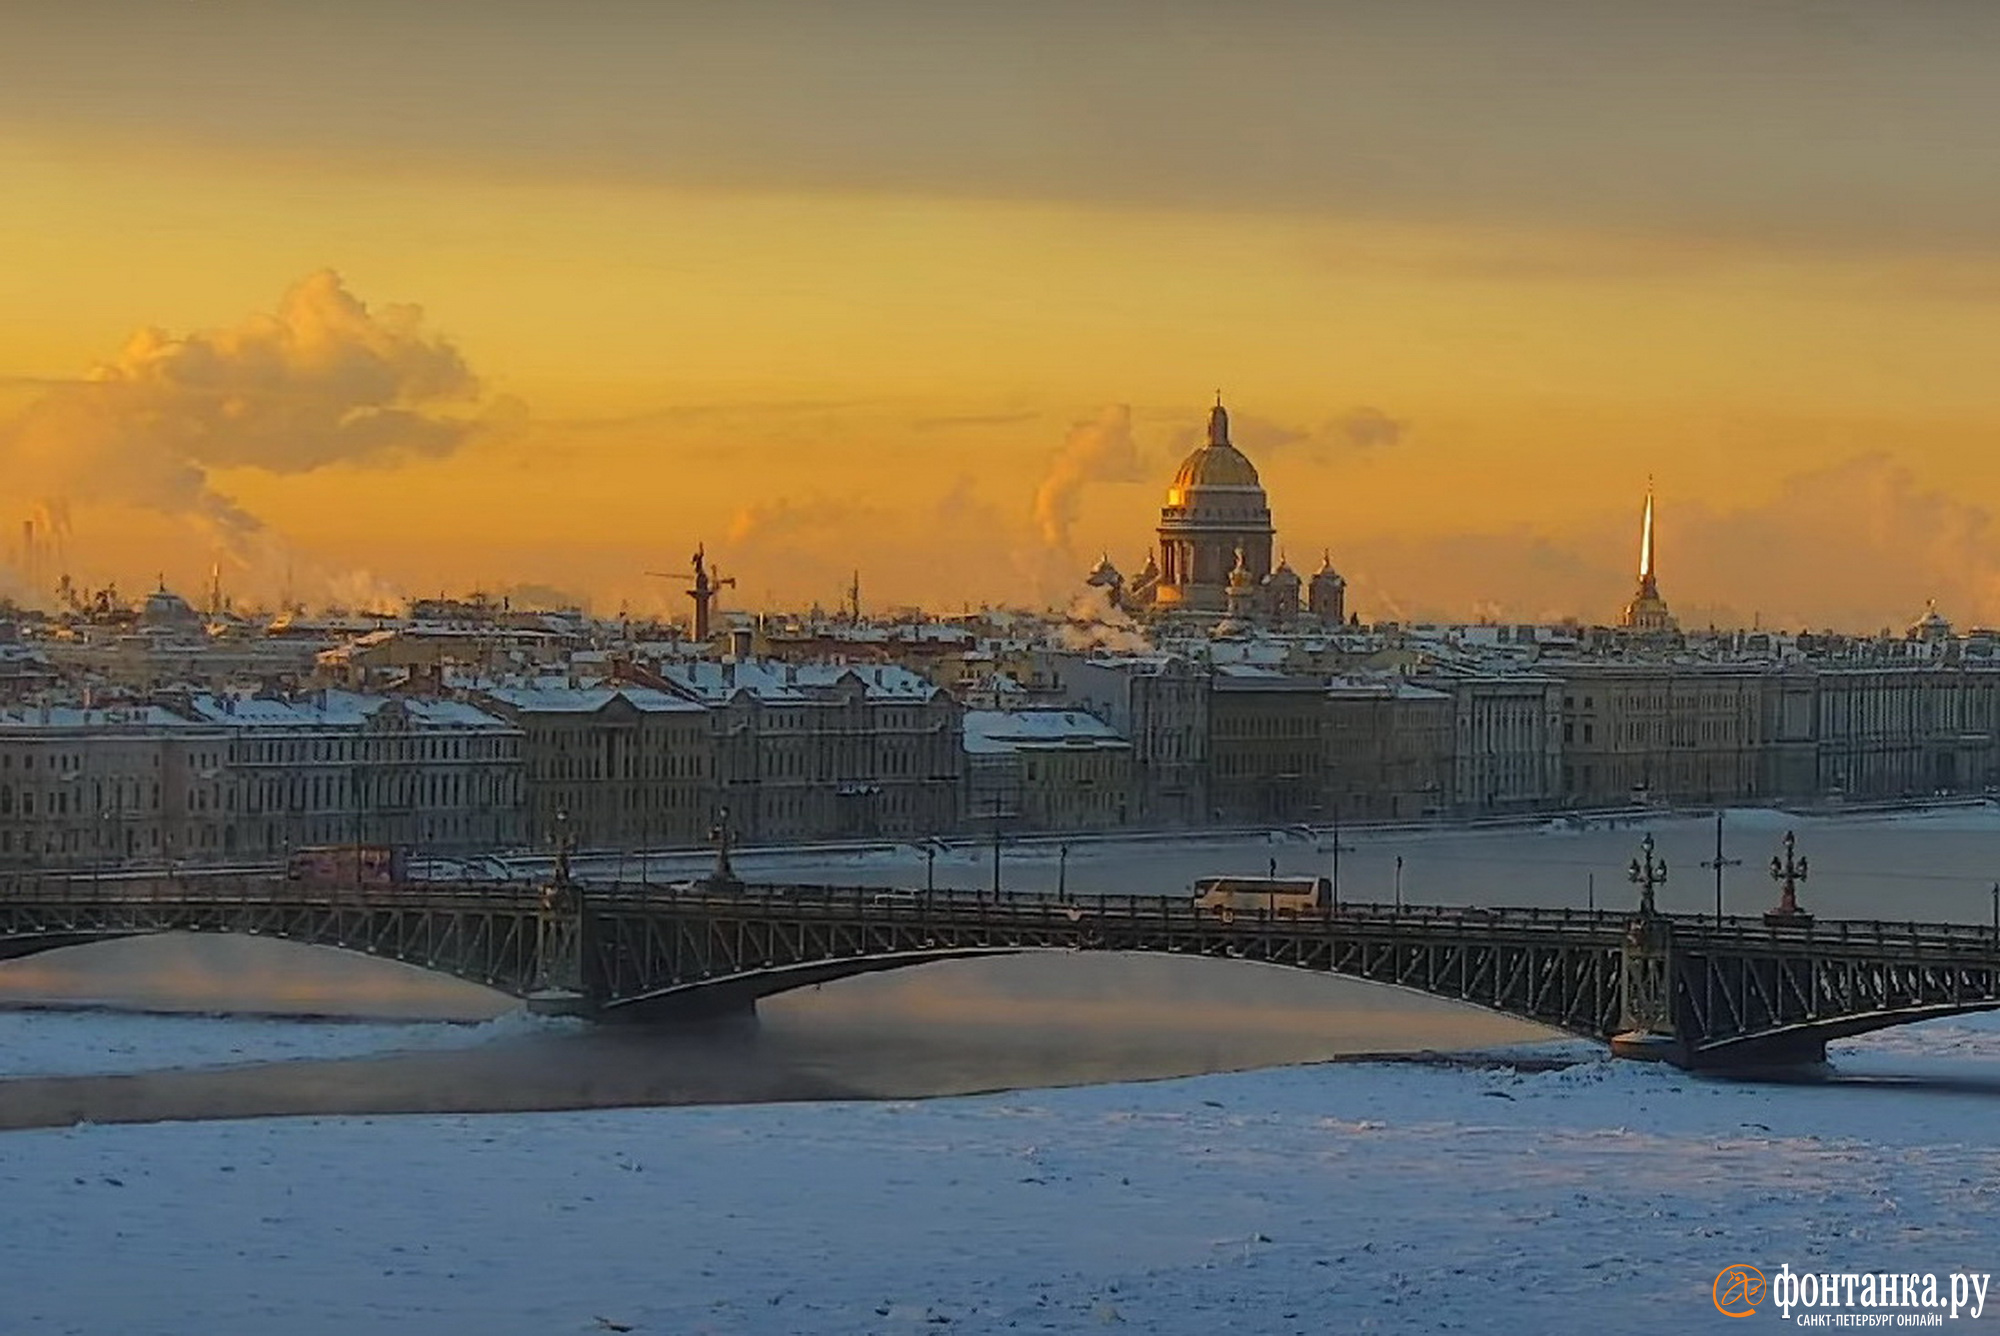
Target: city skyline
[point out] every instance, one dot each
(942, 298)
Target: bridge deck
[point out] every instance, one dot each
(1709, 984)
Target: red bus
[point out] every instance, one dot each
(346, 865)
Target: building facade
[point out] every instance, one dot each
(1265, 747)
(1387, 750)
(245, 780)
(828, 751)
(1159, 702)
(612, 767)
(1046, 770)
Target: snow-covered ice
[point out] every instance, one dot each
(91, 1042)
(1341, 1197)
(1602, 1197)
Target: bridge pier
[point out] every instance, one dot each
(1646, 994)
(1645, 1046)
(560, 1002)
(701, 1006)
(1774, 1051)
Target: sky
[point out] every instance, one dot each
(358, 300)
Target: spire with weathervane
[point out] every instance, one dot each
(1647, 611)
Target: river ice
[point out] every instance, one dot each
(1338, 1197)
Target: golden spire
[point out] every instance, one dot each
(1646, 535)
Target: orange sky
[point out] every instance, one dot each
(829, 292)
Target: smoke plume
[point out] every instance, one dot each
(1098, 450)
(323, 380)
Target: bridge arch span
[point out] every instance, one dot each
(1693, 989)
(1807, 1041)
(336, 940)
(646, 968)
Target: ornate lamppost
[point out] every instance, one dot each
(565, 841)
(724, 877)
(1788, 873)
(1646, 872)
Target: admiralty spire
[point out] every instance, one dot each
(1647, 611)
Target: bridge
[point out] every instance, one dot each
(1698, 991)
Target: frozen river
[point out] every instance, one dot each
(1938, 865)
(1544, 1188)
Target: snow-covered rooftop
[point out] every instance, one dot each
(989, 732)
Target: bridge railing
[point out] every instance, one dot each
(1853, 934)
(1887, 937)
(210, 888)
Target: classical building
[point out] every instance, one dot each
(1662, 733)
(1160, 703)
(91, 785)
(612, 767)
(827, 751)
(1903, 731)
(1647, 612)
(1507, 739)
(333, 767)
(1264, 746)
(1214, 559)
(1046, 770)
(240, 779)
(1386, 749)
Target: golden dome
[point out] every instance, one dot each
(1216, 466)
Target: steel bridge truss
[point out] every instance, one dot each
(1692, 990)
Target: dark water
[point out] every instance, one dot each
(944, 1029)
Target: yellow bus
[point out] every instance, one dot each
(1277, 897)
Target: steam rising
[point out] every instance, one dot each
(1098, 450)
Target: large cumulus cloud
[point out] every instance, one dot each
(323, 379)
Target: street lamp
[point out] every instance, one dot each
(724, 877)
(1788, 873)
(1647, 875)
(1336, 849)
(1719, 863)
(103, 842)
(564, 841)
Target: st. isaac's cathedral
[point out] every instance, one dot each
(1213, 563)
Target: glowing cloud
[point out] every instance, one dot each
(323, 380)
